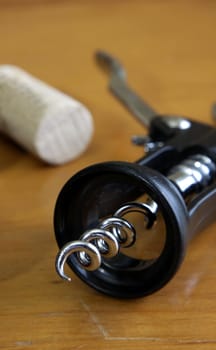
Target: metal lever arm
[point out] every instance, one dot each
(117, 84)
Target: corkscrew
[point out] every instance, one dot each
(123, 227)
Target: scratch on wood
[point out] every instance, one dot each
(52, 314)
(24, 343)
(136, 338)
(192, 284)
(107, 336)
(162, 340)
(95, 320)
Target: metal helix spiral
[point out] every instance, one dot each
(106, 240)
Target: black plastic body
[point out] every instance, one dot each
(123, 276)
(97, 191)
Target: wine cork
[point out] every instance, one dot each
(46, 122)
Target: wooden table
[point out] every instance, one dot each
(168, 48)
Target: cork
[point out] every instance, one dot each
(46, 122)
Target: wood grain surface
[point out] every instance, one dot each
(168, 48)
